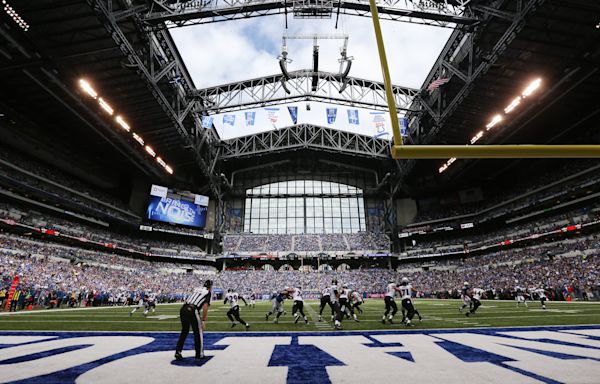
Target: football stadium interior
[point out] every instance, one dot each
(325, 164)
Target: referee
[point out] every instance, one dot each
(198, 301)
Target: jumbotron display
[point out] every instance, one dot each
(176, 211)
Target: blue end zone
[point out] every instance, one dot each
(303, 362)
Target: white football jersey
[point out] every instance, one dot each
(406, 291)
(344, 293)
(332, 290)
(233, 299)
(325, 292)
(477, 293)
(297, 295)
(391, 290)
(541, 293)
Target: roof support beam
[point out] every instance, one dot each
(195, 12)
(268, 90)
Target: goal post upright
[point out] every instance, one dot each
(509, 151)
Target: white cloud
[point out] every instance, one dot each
(242, 49)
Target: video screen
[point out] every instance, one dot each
(176, 211)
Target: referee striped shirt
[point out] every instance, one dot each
(199, 297)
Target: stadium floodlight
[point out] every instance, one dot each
(495, 120)
(476, 137)
(513, 104)
(15, 16)
(87, 88)
(122, 123)
(105, 106)
(532, 87)
(138, 138)
(150, 151)
(169, 169)
(161, 162)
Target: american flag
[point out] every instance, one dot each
(437, 83)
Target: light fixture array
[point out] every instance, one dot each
(497, 119)
(90, 91)
(15, 16)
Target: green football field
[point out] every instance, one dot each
(435, 313)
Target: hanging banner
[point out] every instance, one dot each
(229, 120)
(11, 292)
(272, 115)
(403, 126)
(353, 116)
(331, 115)
(293, 114)
(378, 121)
(250, 116)
(207, 121)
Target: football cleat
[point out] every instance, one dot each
(178, 356)
(247, 326)
(232, 325)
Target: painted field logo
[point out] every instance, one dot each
(523, 355)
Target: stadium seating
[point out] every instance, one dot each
(361, 242)
(572, 177)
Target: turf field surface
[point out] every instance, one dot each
(436, 314)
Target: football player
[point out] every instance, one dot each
(335, 303)
(325, 300)
(465, 295)
(541, 294)
(298, 307)
(520, 295)
(277, 299)
(406, 290)
(356, 301)
(139, 299)
(478, 293)
(390, 303)
(150, 303)
(234, 312)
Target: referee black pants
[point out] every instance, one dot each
(190, 317)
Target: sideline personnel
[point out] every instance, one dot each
(198, 301)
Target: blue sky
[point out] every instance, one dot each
(233, 51)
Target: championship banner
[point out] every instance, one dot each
(403, 126)
(273, 115)
(207, 121)
(229, 120)
(250, 116)
(331, 115)
(11, 292)
(378, 121)
(353, 117)
(293, 114)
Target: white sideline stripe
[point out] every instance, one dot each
(357, 331)
(34, 311)
(292, 322)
